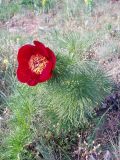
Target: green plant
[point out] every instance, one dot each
(89, 4)
(72, 8)
(66, 101)
(71, 97)
(8, 10)
(22, 109)
(38, 5)
(73, 43)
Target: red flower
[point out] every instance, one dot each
(35, 63)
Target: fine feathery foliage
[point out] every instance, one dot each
(73, 43)
(65, 102)
(53, 114)
(68, 100)
(22, 108)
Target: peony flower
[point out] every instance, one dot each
(35, 63)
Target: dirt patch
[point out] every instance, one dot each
(112, 66)
(30, 23)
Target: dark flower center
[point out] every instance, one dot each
(37, 63)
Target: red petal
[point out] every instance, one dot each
(52, 57)
(26, 76)
(23, 74)
(33, 80)
(25, 53)
(41, 48)
(32, 83)
(47, 73)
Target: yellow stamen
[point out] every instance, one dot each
(37, 63)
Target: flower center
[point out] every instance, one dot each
(37, 63)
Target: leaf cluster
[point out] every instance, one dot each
(69, 98)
